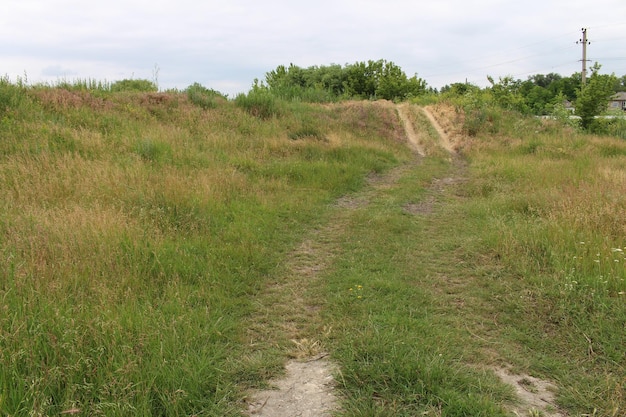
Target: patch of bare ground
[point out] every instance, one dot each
(443, 135)
(448, 122)
(414, 139)
(535, 396)
(305, 391)
(438, 187)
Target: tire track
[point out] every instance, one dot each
(414, 139)
(444, 140)
(307, 388)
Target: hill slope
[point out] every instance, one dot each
(160, 256)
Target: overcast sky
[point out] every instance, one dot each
(226, 44)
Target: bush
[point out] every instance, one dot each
(612, 125)
(206, 98)
(143, 86)
(259, 102)
(481, 113)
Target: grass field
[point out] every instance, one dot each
(146, 238)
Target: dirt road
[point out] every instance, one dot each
(306, 390)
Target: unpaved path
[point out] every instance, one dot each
(412, 136)
(307, 388)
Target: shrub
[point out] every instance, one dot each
(259, 102)
(201, 96)
(481, 113)
(144, 86)
(612, 125)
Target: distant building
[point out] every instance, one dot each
(618, 101)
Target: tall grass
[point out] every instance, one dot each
(554, 199)
(136, 229)
(520, 262)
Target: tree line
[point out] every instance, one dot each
(380, 79)
(539, 94)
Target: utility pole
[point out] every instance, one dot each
(585, 42)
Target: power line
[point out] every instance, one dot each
(506, 51)
(556, 53)
(551, 52)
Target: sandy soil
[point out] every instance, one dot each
(535, 395)
(443, 136)
(305, 391)
(412, 136)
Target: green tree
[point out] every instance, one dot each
(594, 96)
(507, 93)
(544, 81)
(365, 80)
(459, 89)
(392, 82)
(620, 84)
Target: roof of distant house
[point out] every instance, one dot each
(620, 96)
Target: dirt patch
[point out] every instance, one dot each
(448, 121)
(443, 134)
(412, 136)
(350, 202)
(422, 208)
(305, 391)
(536, 396)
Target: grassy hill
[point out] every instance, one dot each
(142, 235)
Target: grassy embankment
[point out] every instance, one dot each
(140, 231)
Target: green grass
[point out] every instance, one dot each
(137, 230)
(403, 348)
(519, 262)
(147, 243)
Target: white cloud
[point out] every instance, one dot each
(57, 71)
(228, 44)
